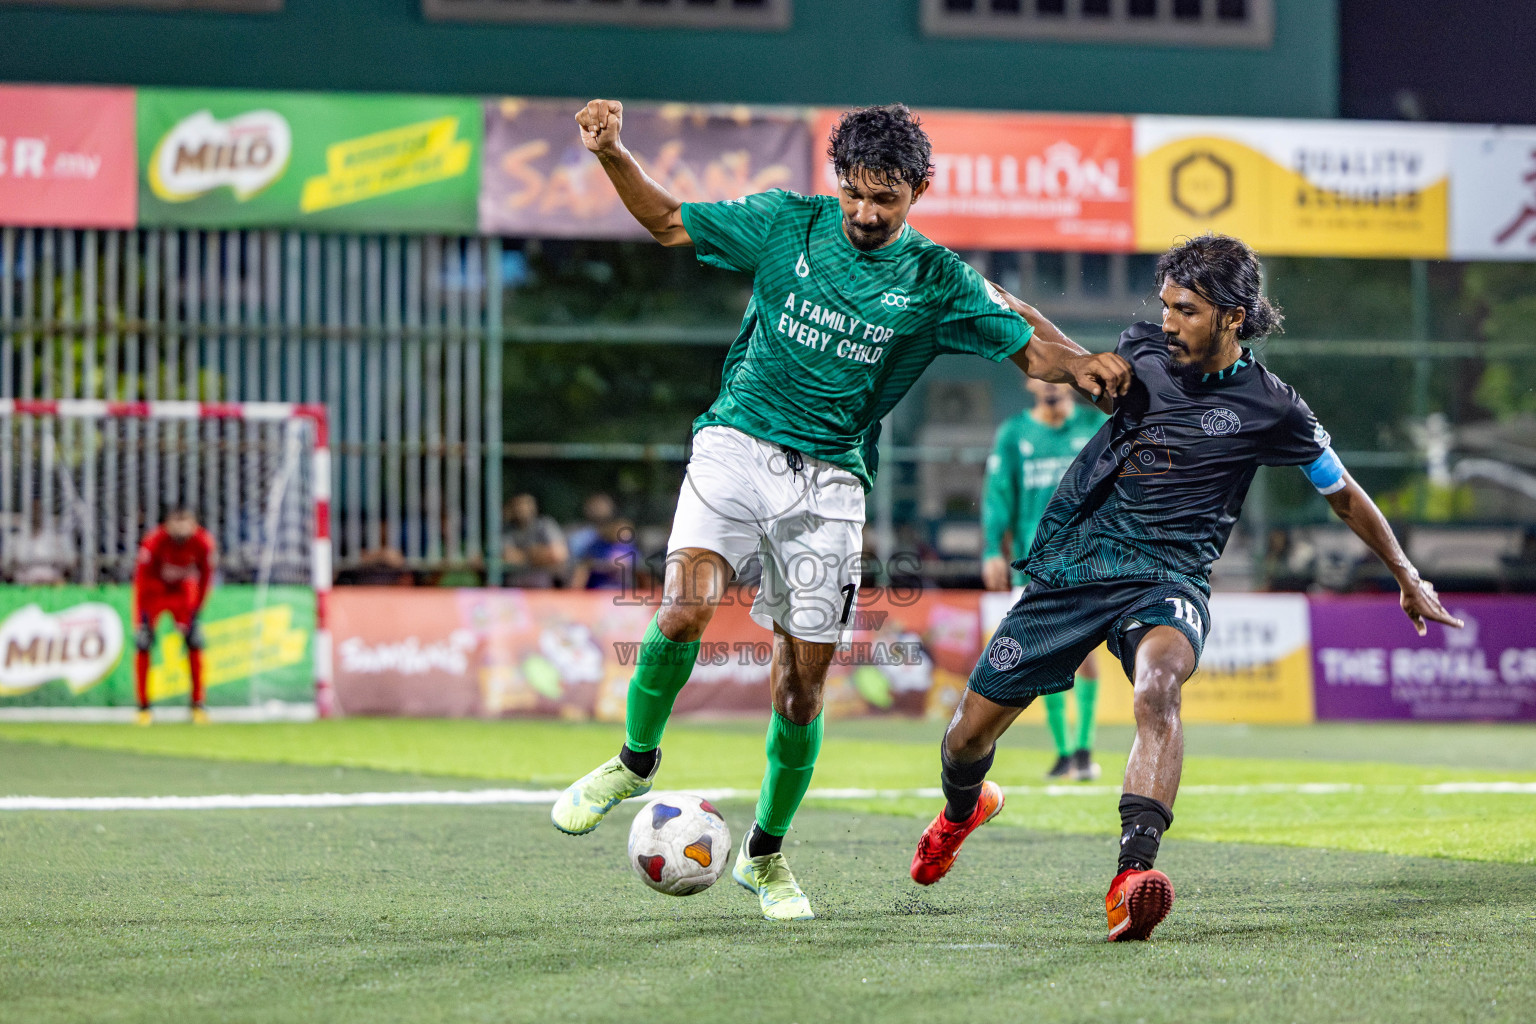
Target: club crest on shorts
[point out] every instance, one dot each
(1220, 422)
(1004, 653)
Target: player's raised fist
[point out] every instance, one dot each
(600, 122)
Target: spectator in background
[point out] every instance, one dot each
(532, 546)
(611, 562)
(598, 511)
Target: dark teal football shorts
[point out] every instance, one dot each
(1050, 630)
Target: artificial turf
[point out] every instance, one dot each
(485, 913)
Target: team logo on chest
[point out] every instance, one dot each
(802, 267)
(1220, 422)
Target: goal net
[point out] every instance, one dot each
(82, 482)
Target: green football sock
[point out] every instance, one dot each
(1056, 718)
(1087, 696)
(792, 751)
(660, 672)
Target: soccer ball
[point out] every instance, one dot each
(679, 844)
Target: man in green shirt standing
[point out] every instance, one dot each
(1032, 451)
(849, 306)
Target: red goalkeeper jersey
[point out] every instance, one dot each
(168, 571)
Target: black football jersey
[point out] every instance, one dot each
(1154, 494)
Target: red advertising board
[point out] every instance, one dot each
(1021, 181)
(67, 157)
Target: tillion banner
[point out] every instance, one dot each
(319, 161)
(73, 647)
(1302, 188)
(67, 157)
(492, 653)
(1372, 665)
(1256, 667)
(1493, 194)
(1019, 181)
(539, 179)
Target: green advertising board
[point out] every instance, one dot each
(319, 161)
(71, 647)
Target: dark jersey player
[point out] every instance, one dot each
(1124, 550)
(174, 575)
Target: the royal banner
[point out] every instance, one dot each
(1020, 181)
(539, 179)
(67, 157)
(1301, 188)
(72, 647)
(1256, 666)
(319, 161)
(1493, 194)
(1370, 663)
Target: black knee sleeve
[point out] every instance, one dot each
(962, 782)
(143, 638)
(194, 636)
(1143, 821)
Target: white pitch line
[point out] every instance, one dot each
(473, 797)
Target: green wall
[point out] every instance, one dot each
(839, 52)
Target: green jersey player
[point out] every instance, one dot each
(1029, 456)
(849, 305)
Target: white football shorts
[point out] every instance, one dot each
(743, 497)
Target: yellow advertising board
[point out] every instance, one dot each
(1298, 188)
(1256, 668)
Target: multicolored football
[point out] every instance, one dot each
(679, 844)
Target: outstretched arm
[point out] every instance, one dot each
(1351, 504)
(1051, 355)
(657, 210)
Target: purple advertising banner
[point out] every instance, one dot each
(539, 179)
(1370, 664)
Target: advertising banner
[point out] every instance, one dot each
(570, 654)
(1256, 667)
(1370, 664)
(1299, 188)
(318, 161)
(1493, 194)
(539, 179)
(71, 646)
(67, 157)
(1020, 181)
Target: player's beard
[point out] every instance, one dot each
(867, 239)
(1187, 374)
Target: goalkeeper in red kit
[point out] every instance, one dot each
(174, 574)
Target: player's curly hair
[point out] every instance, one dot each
(1226, 273)
(888, 142)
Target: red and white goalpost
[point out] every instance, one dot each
(82, 481)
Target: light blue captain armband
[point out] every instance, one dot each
(1327, 473)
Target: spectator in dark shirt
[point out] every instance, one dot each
(532, 546)
(611, 561)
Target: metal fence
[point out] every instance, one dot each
(393, 334)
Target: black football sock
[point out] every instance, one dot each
(641, 762)
(962, 783)
(1143, 821)
(761, 844)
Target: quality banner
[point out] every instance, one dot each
(492, 653)
(67, 157)
(1300, 188)
(1020, 181)
(539, 179)
(71, 647)
(1256, 666)
(319, 161)
(1493, 194)
(1370, 664)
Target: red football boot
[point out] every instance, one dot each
(940, 843)
(1137, 902)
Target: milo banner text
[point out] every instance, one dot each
(72, 646)
(320, 161)
(539, 178)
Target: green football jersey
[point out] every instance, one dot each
(1027, 462)
(834, 337)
